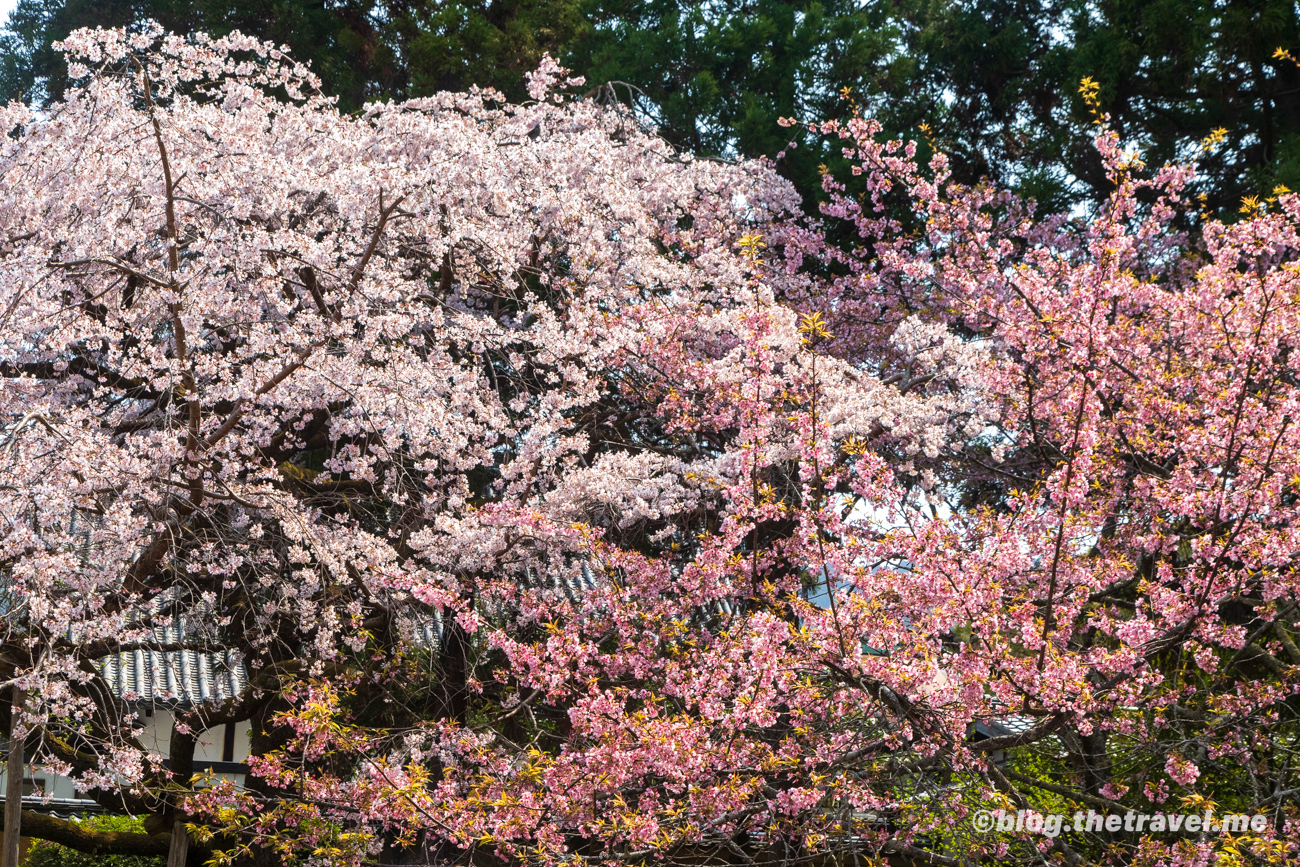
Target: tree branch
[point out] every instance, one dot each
(75, 835)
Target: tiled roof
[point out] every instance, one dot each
(571, 585)
(189, 677)
(204, 673)
(185, 677)
(1012, 724)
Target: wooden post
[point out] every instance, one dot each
(181, 758)
(14, 786)
(180, 849)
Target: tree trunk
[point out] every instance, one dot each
(14, 786)
(455, 668)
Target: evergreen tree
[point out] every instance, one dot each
(1170, 73)
(995, 83)
(717, 77)
(361, 49)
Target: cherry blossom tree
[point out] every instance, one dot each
(1004, 522)
(297, 415)
(567, 499)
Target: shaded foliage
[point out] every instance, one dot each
(993, 83)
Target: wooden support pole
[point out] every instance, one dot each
(181, 751)
(14, 785)
(180, 847)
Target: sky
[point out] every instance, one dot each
(6, 6)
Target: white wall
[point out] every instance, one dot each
(155, 736)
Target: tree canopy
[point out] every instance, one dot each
(567, 497)
(993, 83)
